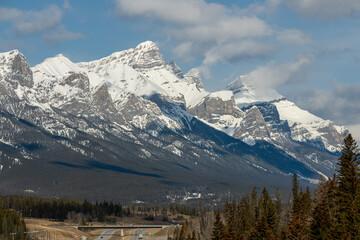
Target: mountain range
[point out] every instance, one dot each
(132, 126)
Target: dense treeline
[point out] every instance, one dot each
(183, 233)
(73, 210)
(161, 213)
(333, 212)
(61, 209)
(10, 222)
(196, 227)
(184, 209)
(85, 211)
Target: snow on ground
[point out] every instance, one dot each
(6, 58)
(143, 72)
(224, 95)
(289, 111)
(225, 123)
(194, 96)
(55, 67)
(306, 126)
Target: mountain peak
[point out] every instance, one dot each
(58, 58)
(146, 55)
(193, 76)
(57, 66)
(15, 66)
(11, 52)
(236, 84)
(246, 94)
(6, 57)
(147, 45)
(60, 55)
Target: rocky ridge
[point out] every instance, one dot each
(133, 114)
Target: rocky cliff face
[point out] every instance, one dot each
(77, 80)
(283, 119)
(213, 106)
(15, 69)
(130, 116)
(173, 68)
(193, 76)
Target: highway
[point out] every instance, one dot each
(135, 234)
(106, 235)
(87, 227)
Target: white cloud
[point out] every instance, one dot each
(205, 71)
(266, 7)
(355, 131)
(184, 51)
(46, 22)
(66, 5)
(325, 8)
(293, 37)
(60, 34)
(203, 28)
(9, 14)
(31, 22)
(172, 11)
(223, 30)
(272, 75)
(339, 104)
(236, 51)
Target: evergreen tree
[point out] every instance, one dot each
(348, 191)
(254, 208)
(268, 210)
(267, 223)
(299, 226)
(10, 223)
(262, 231)
(246, 217)
(295, 194)
(278, 202)
(231, 228)
(323, 221)
(218, 232)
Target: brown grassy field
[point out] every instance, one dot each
(67, 231)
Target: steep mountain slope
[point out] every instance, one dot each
(267, 116)
(255, 115)
(130, 125)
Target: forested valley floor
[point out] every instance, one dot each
(331, 212)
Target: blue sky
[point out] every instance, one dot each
(308, 50)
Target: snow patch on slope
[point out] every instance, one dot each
(306, 126)
(246, 95)
(224, 95)
(55, 67)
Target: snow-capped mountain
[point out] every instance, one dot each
(132, 117)
(254, 110)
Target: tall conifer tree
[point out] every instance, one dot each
(218, 232)
(348, 191)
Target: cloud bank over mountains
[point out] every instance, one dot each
(274, 43)
(47, 22)
(339, 104)
(273, 75)
(326, 9)
(217, 32)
